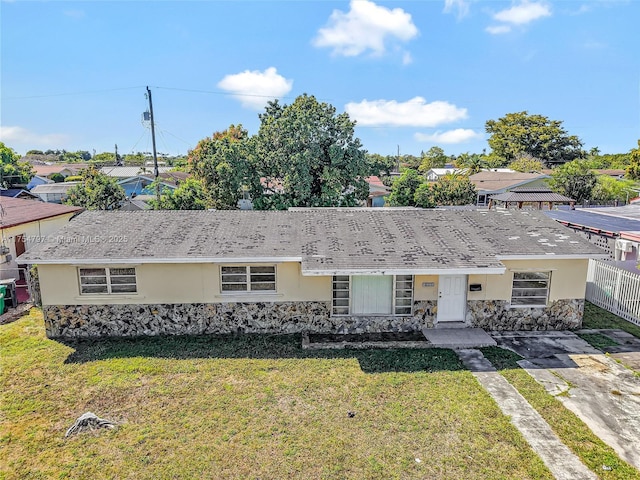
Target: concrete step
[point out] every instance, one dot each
(458, 338)
(460, 324)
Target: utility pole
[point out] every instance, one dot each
(153, 143)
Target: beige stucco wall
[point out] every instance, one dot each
(568, 279)
(34, 233)
(180, 283)
(200, 283)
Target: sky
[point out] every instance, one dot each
(412, 74)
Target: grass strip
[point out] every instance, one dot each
(596, 318)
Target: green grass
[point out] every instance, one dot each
(572, 431)
(598, 340)
(596, 318)
(246, 407)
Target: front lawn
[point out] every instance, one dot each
(246, 407)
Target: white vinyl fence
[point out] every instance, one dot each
(614, 289)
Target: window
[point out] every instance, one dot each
(372, 295)
(248, 279)
(107, 280)
(340, 305)
(530, 289)
(403, 304)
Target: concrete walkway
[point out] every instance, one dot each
(598, 389)
(561, 461)
(457, 338)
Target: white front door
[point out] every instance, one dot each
(452, 298)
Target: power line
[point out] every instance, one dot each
(70, 94)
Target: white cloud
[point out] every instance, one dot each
(459, 135)
(460, 6)
(19, 135)
(412, 113)
(366, 26)
(255, 88)
(523, 13)
(498, 29)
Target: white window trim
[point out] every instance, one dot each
(541, 305)
(248, 291)
(393, 305)
(108, 281)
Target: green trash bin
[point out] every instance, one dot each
(3, 290)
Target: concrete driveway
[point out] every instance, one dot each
(602, 390)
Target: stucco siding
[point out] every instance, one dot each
(180, 283)
(34, 234)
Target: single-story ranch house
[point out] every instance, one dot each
(319, 270)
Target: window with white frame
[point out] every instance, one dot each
(372, 295)
(256, 278)
(530, 289)
(107, 280)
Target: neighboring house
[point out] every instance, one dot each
(53, 192)
(320, 270)
(493, 182)
(142, 185)
(38, 180)
(65, 170)
(17, 193)
(378, 192)
(25, 224)
(434, 174)
(530, 196)
(138, 202)
(128, 172)
(601, 226)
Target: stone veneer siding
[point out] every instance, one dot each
(288, 317)
(211, 318)
(498, 315)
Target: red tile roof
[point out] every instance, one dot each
(16, 211)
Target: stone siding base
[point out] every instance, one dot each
(498, 315)
(198, 318)
(288, 317)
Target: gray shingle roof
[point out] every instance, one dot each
(324, 240)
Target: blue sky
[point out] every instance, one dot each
(414, 74)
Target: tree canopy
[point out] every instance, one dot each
(536, 135)
(190, 195)
(13, 172)
(633, 169)
(97, 191)
(222, 163)
(311, 153)
(404, 188)
(574, 180)
(432, 158)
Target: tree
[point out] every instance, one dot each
(433, 158)
(310, 152)
(423, 197)
(190, 195)
(454, 189)
(574, 180)
(536, 135)
(471, 162)
(381, 165)
(222, 163)
(97, 191)
(404, 188)
(526, 163)
(608, 188)
(13, 172)
(633, 169)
